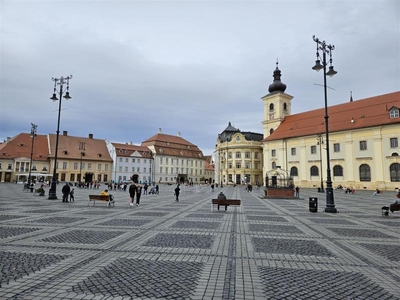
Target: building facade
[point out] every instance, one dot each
(175, 159)
(363, 140)
(80, 159)
(238, 157)
(131, 162)
(23, 155)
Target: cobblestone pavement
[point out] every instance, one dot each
(162, 249)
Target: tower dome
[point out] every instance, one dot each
(277, 85)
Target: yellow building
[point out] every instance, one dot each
(16, 155)
(238, 157)
(363, 140)
(80, 159)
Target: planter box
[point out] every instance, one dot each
(279, 193)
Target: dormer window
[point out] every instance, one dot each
(394, 112)
(99, 155)
(284, 106)
(65, 152)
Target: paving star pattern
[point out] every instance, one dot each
(162, 249)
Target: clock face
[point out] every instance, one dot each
(271, 116)
(238, 139)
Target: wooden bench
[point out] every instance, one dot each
(103, 198)
(225, 202)
(392, 208)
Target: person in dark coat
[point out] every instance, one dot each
(177, 190)
(65, 191)
(132, 192)
(138, 194)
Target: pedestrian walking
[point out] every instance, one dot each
(138, 194)
(157, 189)
(65, 191)
(132, 192)
(297, 191)
(177, 190)
(145, 188)
(71, 195)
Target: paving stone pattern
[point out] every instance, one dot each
(162, 249)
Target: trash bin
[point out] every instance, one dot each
(313, 204)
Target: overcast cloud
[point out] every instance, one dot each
(185, 66)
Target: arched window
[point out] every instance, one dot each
(273, 165)
(395, 172)
(271, 106)
(284, 106)
(337, 170)
(314, 171)
(365, 173)
(294, 171)
(271, 131)
(395, 154)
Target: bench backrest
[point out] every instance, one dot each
(395, 206)
(226, 201)
(99, 197)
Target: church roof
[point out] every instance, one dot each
(358, 114)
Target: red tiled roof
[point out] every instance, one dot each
(21, 146)
(95, 149)
(367, 112)
(166, 144)
(128, 149)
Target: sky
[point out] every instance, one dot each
(187, 67)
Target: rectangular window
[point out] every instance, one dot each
(120, 159)
(99, 167)
(138, 169)
(166, 160)
(106, 168)
(126, 159)
(138, 160)
(133, 160)
(166, 170)
(89, 166)
(256, 166)
(62, 177)
(273, 152)
(83, 166)
(394, 142)
(120, 168)
(230, 155)
(363, 145)
(238, 166)
(75, 166)
(0, 166)
(247, 165)
(133, 169)
(313, 149)
(105, 177)
(160, 169)
(336, 147)
(161, 159)
(126, 169)
(293, 151)
(9, 167)
(72, 177)
(247, 155)
(64, 165)
(230, 166)
(238, 154)
(98, 177)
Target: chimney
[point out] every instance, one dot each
(159, 130)
(65, 133)
(90, 135)
(179, 133)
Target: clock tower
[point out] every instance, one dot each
(277, 104)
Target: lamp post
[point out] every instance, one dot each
(326, 49)
(58, 81)
(82, 149)
(320, 142)
(33, 134)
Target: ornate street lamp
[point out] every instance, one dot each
(60, 82)
(320, 141)
(326, 49)
(33, 134)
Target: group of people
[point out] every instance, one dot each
(135, 190)
(68, 192)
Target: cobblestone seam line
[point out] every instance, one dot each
(230, 275)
